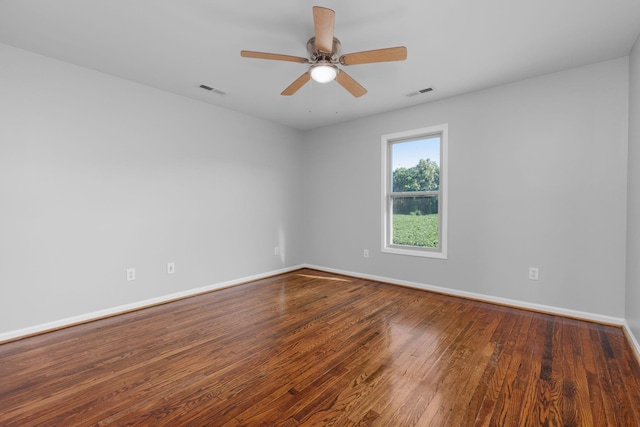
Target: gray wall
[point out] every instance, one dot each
(537, 177)
(633, 214)
(98, 174)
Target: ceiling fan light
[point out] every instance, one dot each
(323, 73)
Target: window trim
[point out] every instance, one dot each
(443, 199)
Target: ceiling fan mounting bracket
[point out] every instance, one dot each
(316, 55)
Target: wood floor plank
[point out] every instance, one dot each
(576, 404)
(545, 401)
(511, 406)
(312, 348)
(496, 372)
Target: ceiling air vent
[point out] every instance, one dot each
(425, 90)
(213, 89)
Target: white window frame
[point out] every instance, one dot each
(442, 193)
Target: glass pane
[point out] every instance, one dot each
(415, 221)
(415, 164)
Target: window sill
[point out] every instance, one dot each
(415, 252)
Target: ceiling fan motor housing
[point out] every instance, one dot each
(316, 55)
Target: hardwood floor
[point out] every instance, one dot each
(310, 348)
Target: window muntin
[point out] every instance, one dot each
(414, 196)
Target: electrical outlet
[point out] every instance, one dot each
(366, 253)
(131, 274)
(533, 273)
(276, 250)
(171, 268)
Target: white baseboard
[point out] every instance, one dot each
(633, 339)
(88, 317)
(481, 297)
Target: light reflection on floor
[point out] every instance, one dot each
(335, 279)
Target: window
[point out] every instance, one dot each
(414, 200)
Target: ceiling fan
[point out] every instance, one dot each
(323, 58)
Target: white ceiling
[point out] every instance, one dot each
(454, 46)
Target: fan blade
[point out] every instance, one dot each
(378, 55)
(273, 56)
(347, 82)
(297, 84)
(323, 22)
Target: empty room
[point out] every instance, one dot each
(294, 213)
